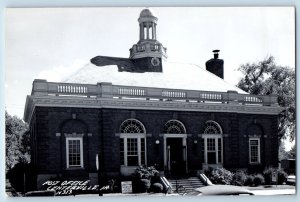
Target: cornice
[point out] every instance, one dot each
(115, 103)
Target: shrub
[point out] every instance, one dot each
(208, 171)
(221, 176)
(144, 185)
(141, 185)
(144, 172)
(16, 177)
(282, 176)
(249, 180)
(268, 174)
(144, 177)
(239, 178)
(157, 187)
(258, 180)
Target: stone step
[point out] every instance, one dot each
(189, 184)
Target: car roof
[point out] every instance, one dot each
(223, 190)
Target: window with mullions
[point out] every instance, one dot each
(132, 126)
(212, 143)
(132, 143)
(74, 152)
(174, 127)
(254, 150)
(132, 152)
(211, 150)
(212, 127)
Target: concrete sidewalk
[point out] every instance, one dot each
(271, 187)
(259, 190)
(271, 192)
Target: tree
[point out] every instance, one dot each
(16, 141)
(282, 154)
(292, 152)
(266, 78)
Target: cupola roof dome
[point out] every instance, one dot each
(146, 13)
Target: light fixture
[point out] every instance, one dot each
(157, 142)
(195, 141)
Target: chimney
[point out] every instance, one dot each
(216, 65)
(216, 54)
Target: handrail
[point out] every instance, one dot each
(108, 90)
(204, 178)
(166, 184)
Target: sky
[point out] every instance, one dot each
(53, 43)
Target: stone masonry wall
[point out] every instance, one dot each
(101, 128)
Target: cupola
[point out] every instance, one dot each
(147, 46)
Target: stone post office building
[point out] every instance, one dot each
(146, 110)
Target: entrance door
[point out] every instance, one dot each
(176, 156)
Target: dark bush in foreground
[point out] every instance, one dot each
(242, 178)
(143, 185)
(19, 173)
(220, 176)
(145, 177)
(249, 180)
(268, 174)
(258, 180)
(144, 172)
(157, 188)
(239, 178)
(282, 176)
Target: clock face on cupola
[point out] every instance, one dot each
(148, 53)
(155, 61)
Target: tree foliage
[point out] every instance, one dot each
(282, 153)
(17, 141)
(266, 78)
(292, 152)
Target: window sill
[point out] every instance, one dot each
(254, 164)
(205, 166)
(75, 168)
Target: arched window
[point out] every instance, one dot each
(212, 127)
(212, 146)
(174, 127)
(132, 143)
(132, 126)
